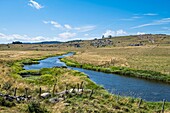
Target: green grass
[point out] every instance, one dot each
(145, 74)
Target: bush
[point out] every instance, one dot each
(35, 107)
(29, 62)
(29, 72)
(7, 85)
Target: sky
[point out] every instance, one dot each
(64, 20)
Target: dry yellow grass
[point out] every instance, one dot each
(10, 56)
(156, 58)
(18, 55)
(21, 84)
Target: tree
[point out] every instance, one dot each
(103, 37)
(17, 42)
(110, 36)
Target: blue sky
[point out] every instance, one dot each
(63, 20)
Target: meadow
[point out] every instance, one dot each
(148, 58)
(98, 101)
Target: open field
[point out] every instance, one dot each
(146, 57)
(150, 56)
(153, 55)
(101, 101)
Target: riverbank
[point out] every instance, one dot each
(144, 74)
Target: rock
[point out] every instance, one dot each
(53, 100)
(61, 93)
(29, 97)
(20, 98)
(1, 95)
(45, 95)
(60, 99)
(9, 98)
(73, 91)
(66, 104)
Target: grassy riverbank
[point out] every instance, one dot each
(98, 101)
(145, 74)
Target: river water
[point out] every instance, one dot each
(116, 84)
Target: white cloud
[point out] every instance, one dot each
(86, 34)
(67, 26)
(46, 22)
(35, 4)
(85, 28)
(121, 32)
(67, 35)
(136, 17)
(54, 23)
(140, 33)
(115, 33)
(23, 38)
(150, 14)
(131, 18)
(158, 22)
(109, 32)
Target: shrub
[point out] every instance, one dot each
(29, 72)
(29, 62)
(7, 85)
(35, 107)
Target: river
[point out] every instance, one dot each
(116, 84)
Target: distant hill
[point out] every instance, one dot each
(48, 42)
(45, 42)
(72, 41)
(132, 40)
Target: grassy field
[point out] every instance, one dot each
(100, 101)
(154, 57)
(150, 56)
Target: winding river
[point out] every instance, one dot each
(116, 84)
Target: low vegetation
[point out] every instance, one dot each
(97, 101)
(150, 61)
(146, 74)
